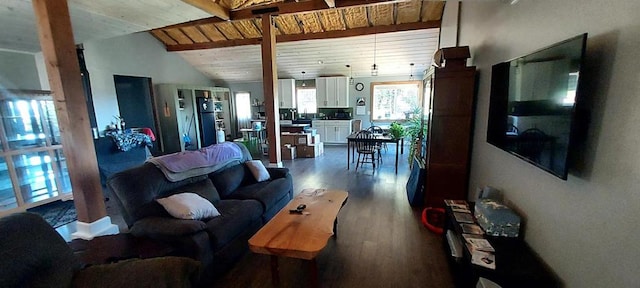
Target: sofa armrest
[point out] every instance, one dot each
(163, 227)
(153, 272)
(278, 172)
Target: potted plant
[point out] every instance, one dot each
(416, 131)
(396, 130)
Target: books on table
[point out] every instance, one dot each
(471, 229)
(463, 217)
(459, 206)
(484, 259)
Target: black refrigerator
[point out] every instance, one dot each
(207, 120)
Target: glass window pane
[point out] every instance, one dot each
(23, 124)
(61, 163)
(51, 121)
(306, 100)
(35, 176)
(7, 198)
(394, 101)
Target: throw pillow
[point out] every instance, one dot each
(258, 170)
(188, 206)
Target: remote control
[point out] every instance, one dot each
(301, 207)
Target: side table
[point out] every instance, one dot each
(112, 248)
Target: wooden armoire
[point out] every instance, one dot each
(450, 126)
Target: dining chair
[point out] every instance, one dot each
(379, 131)
(366, 147)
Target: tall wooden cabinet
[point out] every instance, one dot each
(450, 126)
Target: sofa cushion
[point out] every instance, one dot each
(258, 170)
(137, 188)
(268, 193)
(188, 206)
(228, 180)
(235, 217)
(152, 272)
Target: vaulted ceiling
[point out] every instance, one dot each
(221, 37)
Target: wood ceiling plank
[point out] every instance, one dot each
(408, 11)
(306, 6)
(179, 36)
(229, 30)
(356, 17)
(194, 33)
(288, 24)
(212, 32)
(332, 20)
(310, 23)
(210, 7)
(247, 28)
(360, 31)
(381, 15)
(163, 37)
(432, 11)
(314, 36)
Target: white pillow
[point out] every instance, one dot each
(188, 206)
(258, 170)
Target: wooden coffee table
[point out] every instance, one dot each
(300, 236)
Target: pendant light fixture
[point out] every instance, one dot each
(411, 72)
(303, 83)
(351, 80)
(374, 67)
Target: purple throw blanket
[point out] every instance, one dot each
(208, 156)
(183, 165)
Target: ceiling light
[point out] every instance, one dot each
(303, 83)
(320, 62)
(351, 80)
(411, 72)
(374, 67)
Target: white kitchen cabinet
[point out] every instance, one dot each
(333, 131)
(320, 129)
(287, 93)
(332, 92)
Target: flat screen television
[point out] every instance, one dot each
(532, 110)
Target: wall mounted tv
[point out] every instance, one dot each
(532, 110)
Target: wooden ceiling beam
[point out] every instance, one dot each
(217, 44)
(311, 36)
(210, 7)
(283, 8)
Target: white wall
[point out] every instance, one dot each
(136, 54)
(18, 71)
(585, 228)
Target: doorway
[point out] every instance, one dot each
(135, 102)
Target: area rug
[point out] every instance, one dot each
(57, 213)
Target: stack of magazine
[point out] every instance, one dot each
(482, 253)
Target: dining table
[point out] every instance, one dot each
(381, 138)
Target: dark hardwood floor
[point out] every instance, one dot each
(381, 241)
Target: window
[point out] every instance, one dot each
(243, 109)
(32, 165)
(394, 101)
(306, 98)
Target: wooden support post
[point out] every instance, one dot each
(58, 48)
(270, 85)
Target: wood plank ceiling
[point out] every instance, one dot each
(402, 32)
